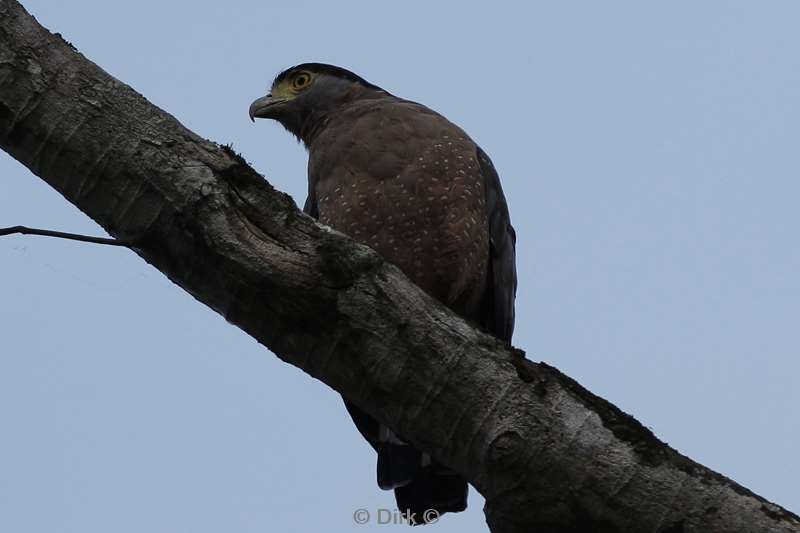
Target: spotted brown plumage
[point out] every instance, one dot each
(404, 180)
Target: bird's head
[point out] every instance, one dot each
(302, 97)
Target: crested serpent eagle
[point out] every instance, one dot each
(402, 179)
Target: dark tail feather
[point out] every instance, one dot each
(419, 484)
(397, 465)
(433, 492)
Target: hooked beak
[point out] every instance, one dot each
(265, 107)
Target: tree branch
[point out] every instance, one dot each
(24, 230)
(547, 454)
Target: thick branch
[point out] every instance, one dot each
(547, 454)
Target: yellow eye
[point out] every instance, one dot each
(301, 81)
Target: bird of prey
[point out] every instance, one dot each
(412, 185)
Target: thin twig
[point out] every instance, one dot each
(24, 230)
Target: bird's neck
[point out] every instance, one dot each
(349, 103)
(312, 125)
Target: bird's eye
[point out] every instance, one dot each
(301, 81)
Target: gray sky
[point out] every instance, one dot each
(649, 155)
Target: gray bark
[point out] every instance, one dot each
(547, 454)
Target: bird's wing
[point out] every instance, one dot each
(310, 208)
(502, 276)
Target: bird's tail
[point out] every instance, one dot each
(423, 488)
(435, 490)
(398, 463)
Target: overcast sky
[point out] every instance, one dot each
(649, 153)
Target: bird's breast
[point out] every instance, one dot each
(420, 203)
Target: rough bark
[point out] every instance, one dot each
(547, 454)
